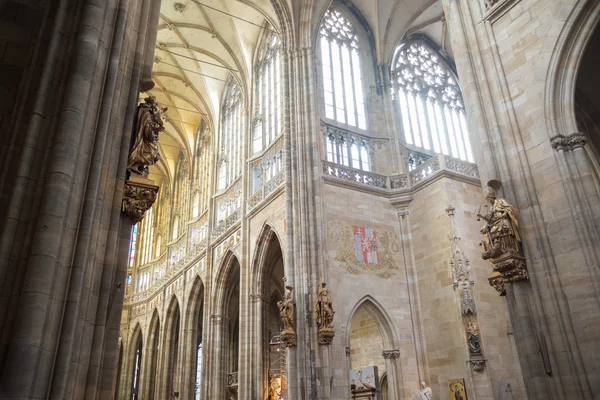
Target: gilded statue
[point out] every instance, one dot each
(149, 124)
(501, 231)
(324, 315)
(324, 308)
(286, 309)
(473, 338)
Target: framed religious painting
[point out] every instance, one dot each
(457, 390)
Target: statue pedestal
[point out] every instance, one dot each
(326, 335)
(138, 196)
(508, 268)
(288, 336)
(364, 393)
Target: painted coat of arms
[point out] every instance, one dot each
(364, 250)
(365, 245)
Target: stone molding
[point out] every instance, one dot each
(257, 298)
(569, 142)
(391, 354)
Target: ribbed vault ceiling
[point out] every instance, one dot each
(201, 43)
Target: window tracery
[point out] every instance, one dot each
(267, 121)
(348, 149)
(342, 78)
(230, 140)
(430, 102)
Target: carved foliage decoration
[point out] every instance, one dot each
(137, 199)
(363, 250)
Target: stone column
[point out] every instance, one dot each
(394, 374)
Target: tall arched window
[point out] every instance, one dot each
(430, 102)
(267, 123)
(132, 245)
(342, 79)
(230, 141)
(147, 236)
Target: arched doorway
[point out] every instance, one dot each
(587, 97)
(136, 373)
(170, 386)
(194, 349)
(267, 289)
(150, 375)
(272, 352)
(224, 323)
(370, 334)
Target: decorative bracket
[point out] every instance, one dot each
(138, 196)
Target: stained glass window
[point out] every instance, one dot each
(133, 245)
(342, 79)
(429, 100)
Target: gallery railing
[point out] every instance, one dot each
(420, 174)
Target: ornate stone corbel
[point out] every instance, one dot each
(138, 197)
(569, 142)
(477, 364)
(391, 354)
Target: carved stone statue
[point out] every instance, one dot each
(286, 311)
(324, 315)
(149, 124)
(473, 338)
(426, 392)
(501, 242)
(501, 232)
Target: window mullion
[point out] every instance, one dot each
(343, 84)
(330, 42)
(353, 87)
(427, 125)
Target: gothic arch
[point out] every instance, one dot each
(561, 77)
(264, 243)
(389, 339)
(193, 317)
(151, 357)
(377, 311)
(136, 341)
(224, 274)
(168, 377)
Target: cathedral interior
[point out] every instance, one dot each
(300, 199)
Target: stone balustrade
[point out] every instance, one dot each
(400, 182)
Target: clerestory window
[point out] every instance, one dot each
(342, 79)
(351, 152)
(429, 101)
(267, 122)
(230, 140)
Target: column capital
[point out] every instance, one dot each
(391, 354)
(568, 142)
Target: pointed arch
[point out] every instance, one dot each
(226, 270)
(375, 310)
(169, 377)
(341, 41)
(193, 332)
(149, 387)
(428, 101)
(393, 369)
(135, 368)
(265, 243)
